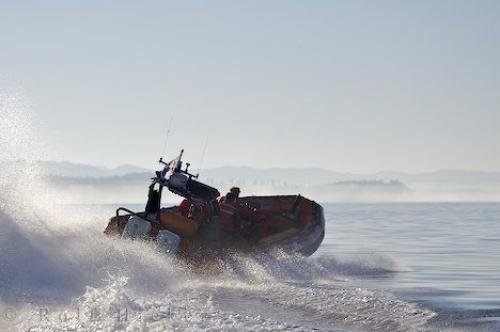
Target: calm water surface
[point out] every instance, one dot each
(450, 255)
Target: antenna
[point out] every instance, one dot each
(203, 154)
(167, 135)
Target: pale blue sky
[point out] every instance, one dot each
(347, 85)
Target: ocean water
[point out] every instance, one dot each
(381, 267)
(449, 254)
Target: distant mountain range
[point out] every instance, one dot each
(87, 183)
(317, 176)
(269, 176)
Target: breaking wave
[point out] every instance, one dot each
(58, 271)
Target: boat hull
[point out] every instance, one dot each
(292, 224)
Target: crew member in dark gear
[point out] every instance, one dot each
(153, 205)
(236, 192)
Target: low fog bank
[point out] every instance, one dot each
(132, 188)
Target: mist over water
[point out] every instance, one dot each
(58, 270)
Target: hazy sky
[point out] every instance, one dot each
(345, 85)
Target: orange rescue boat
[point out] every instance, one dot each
(204, 225)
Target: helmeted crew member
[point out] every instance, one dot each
(244, 210)
(250, 218)
(229, 202)
(235, 193)
(245, 220)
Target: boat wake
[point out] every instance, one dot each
(59, 276)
